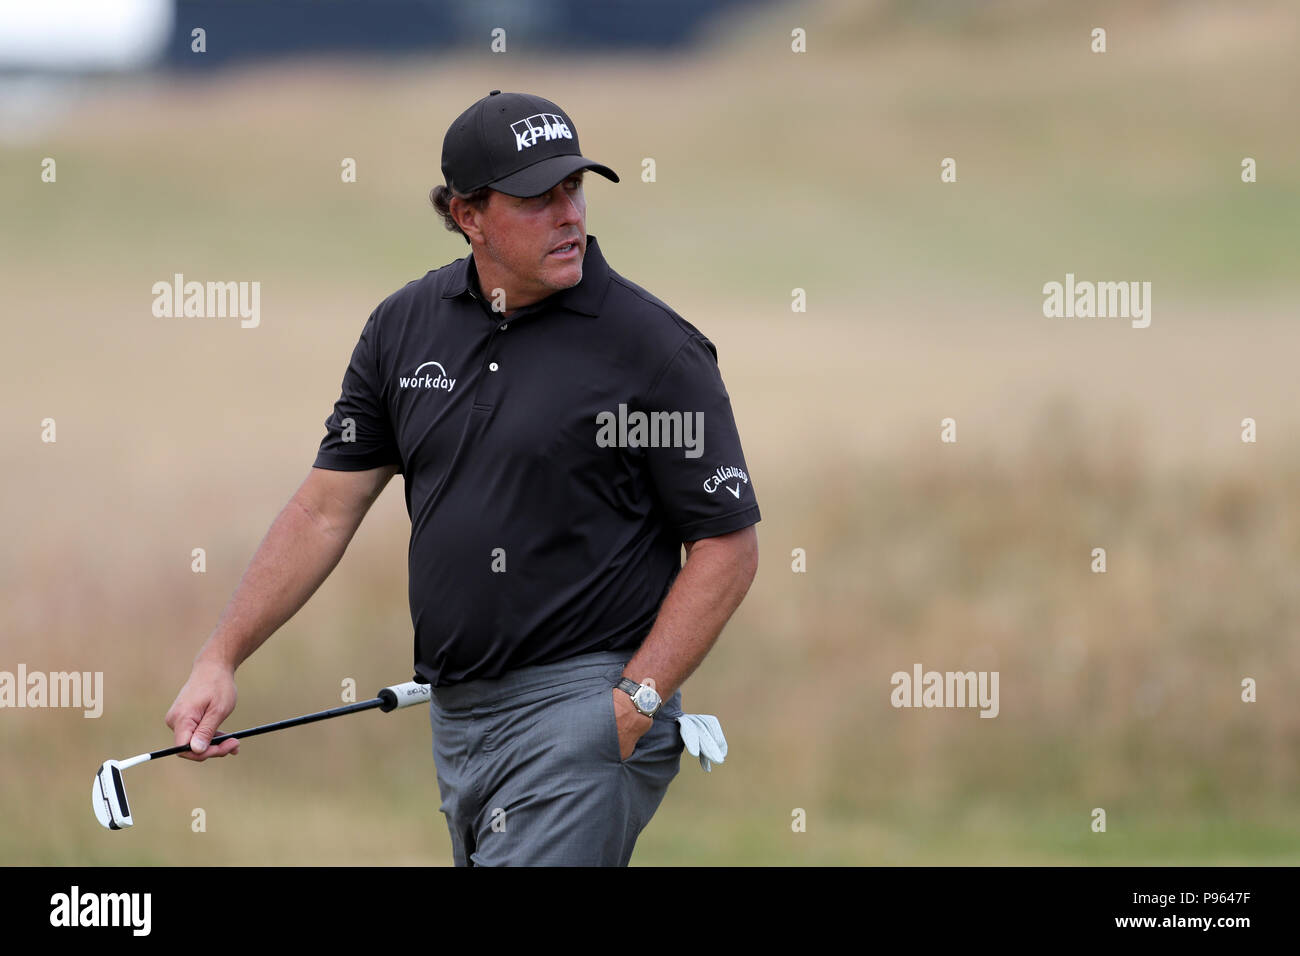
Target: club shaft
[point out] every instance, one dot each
(278, 725)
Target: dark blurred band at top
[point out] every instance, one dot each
(244, 29)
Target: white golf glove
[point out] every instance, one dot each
(702, 735)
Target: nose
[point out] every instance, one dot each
(568, 206)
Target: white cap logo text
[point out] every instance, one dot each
(546, 126)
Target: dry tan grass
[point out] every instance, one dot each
(1118, 690)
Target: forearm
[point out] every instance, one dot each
(708, 589)
(298, 552)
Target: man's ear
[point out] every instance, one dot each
(466, 217)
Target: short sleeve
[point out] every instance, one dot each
(704, 487)
(359, 433)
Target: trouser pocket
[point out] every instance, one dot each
(663, 733)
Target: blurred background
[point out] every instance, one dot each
(776, 171)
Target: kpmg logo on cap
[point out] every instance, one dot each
(546, 126)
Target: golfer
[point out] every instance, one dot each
(562, 434)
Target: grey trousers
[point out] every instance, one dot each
(529, 768)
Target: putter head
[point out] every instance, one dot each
(108, 797)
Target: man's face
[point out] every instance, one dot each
(518, 238)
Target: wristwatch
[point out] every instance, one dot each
(644, 697)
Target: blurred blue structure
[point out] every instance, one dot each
(244, 29)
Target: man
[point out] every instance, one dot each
(562, 433)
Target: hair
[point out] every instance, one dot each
(441, 197)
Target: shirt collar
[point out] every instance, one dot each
(585, 297)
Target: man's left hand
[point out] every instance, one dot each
(632, 724)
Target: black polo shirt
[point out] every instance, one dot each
(546, 521)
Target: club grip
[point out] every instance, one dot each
(403, 695)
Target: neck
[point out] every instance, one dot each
(516, 300)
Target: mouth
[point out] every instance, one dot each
(567, 251)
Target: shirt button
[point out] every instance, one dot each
(504, 326)
(492, 367)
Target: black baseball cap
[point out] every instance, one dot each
(517, 143)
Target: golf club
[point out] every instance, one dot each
(108, 795)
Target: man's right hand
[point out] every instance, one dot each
(207, 699)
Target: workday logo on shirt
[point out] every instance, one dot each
(437, 378)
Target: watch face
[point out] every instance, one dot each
(648, 698)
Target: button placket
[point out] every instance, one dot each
(493, 366)
(486, 391)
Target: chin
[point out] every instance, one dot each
(567, 277)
